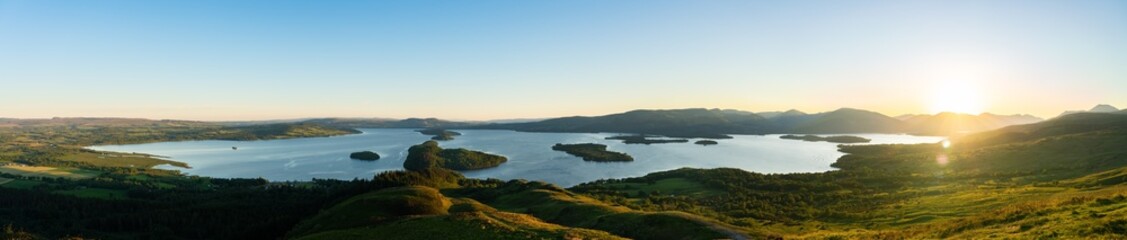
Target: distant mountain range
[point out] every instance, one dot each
(391, 123)
(845, 120)
(1102, 108)
(716, 123)
(689, 123)
(1064, 125)
(699, 122)
(955, 123)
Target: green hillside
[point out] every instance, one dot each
(1064, 125)
(419, 212)
(1069, 170)
(407, 205)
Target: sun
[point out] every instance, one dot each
(956, 96)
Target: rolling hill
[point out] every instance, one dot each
(1063, 125)
(1101, 108)
(716, 123)
(411, 205)
(846, 120)
(696, 122)
(390, 123)
(952, 124)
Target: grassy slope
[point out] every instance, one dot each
(547, 211)
(418, 212)
(1093, 214)
(467, 226)
(112, 159)
(560, 206)
(1045, 183)
(376, 207)
(49, 172)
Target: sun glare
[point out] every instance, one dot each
(956, 96)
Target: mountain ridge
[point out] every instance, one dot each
(688, 122)
(717, 123)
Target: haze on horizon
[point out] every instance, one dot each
(478, 60)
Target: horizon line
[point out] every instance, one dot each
(518, 118)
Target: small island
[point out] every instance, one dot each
(440, 134)
(833, 139)
(706, 142)
(365, 155)
(593, 152)
(645, 139)
(428, 155)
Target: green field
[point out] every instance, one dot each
(50, 172)
(422, 212)
(112, 159)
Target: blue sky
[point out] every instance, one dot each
(239, 60)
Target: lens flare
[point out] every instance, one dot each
(958, 96)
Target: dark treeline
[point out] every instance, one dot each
(788, 198)
(208, 209)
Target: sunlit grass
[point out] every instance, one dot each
(112, 159)
(49, 172)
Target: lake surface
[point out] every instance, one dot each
(530, 155)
